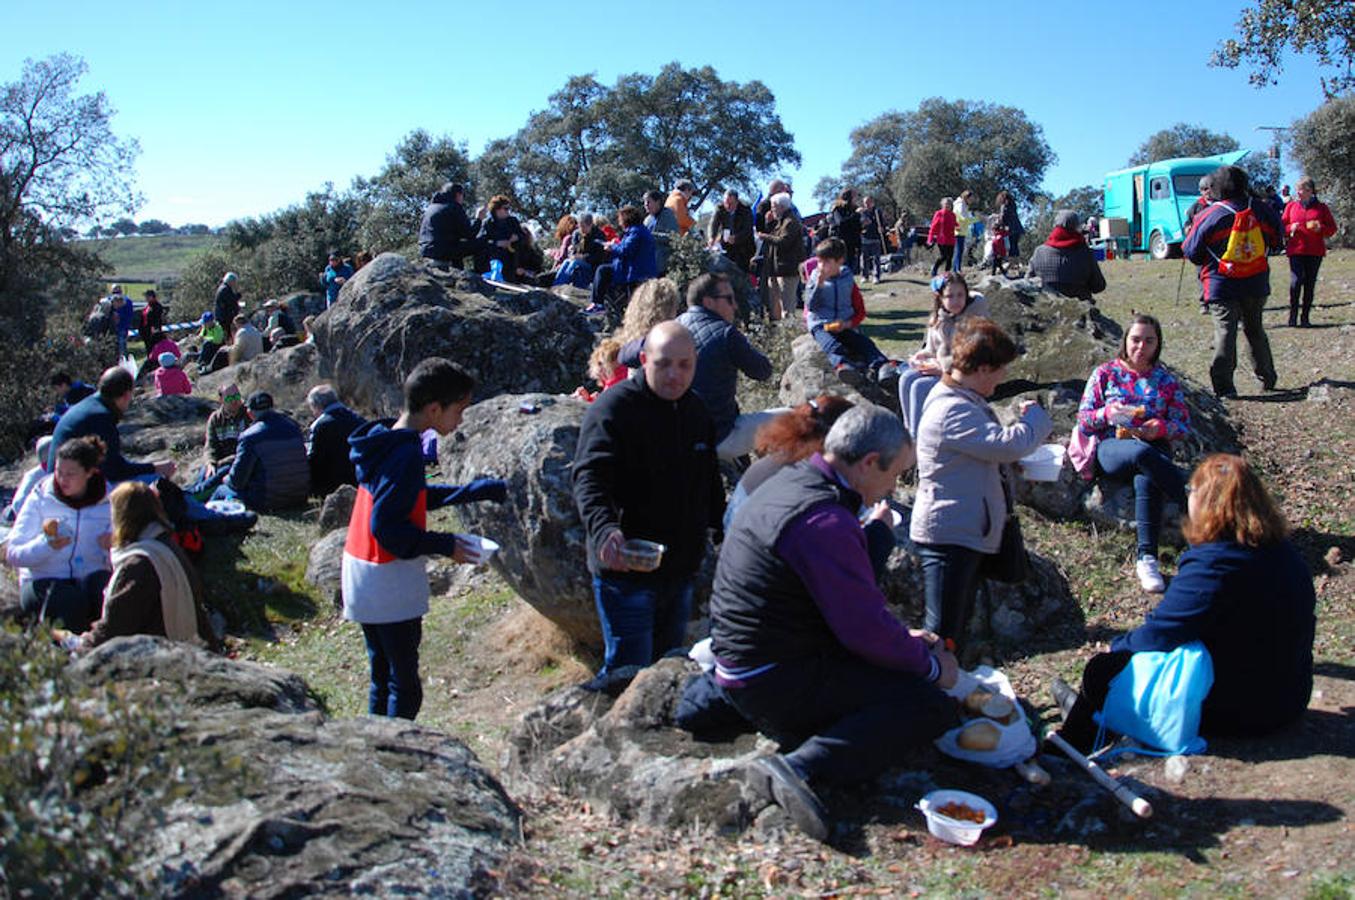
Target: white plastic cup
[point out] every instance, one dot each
(955, 831)
(482, 549)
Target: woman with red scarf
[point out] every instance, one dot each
(1064, 263)
(1307, 225)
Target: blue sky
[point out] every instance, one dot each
(242, 107)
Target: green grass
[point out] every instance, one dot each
(152, 258)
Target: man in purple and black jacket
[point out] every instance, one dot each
(804, 644)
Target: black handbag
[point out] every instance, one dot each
(1010, 564)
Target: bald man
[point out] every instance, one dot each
(645, 469)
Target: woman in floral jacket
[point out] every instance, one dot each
(1132, 412)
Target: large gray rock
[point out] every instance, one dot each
(272, 800)
(395, 313)
(287, 374)
(337, 508)
(627, 756)
(809, 376)
(324, 565)
(159, 425)
(538, 527)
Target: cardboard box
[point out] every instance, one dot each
(1113, 227)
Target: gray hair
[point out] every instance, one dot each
(322, 396)
(732, 193)
(865, 429)
(586, 217)
(780, 202)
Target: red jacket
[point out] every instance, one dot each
(1304, 240)
(942, 230)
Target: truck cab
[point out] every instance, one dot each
(1154, 198)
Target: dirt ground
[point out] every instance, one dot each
(1267, 818)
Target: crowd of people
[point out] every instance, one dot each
(805, 645)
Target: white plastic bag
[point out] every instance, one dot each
(1016, 743)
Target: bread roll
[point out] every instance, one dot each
(51, 527)
(979, 735)
(998, 707)
(973, 704)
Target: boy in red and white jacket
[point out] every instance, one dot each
(384, 580)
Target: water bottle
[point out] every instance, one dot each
(496, 270)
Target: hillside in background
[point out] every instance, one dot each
(150, 258)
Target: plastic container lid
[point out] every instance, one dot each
(956, 831)
(1044, 463)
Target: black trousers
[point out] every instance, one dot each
(1080, 729)
(842, 719)
(1302, 283)
(944, 255)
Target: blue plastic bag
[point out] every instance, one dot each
(1158, 699)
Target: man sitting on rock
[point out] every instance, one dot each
(805, 645)
(447, 235)
(270, 471)
(98, 415)
(248, 341)
(327, 441)
(224, 427)
(645, 469)
(1064, 263)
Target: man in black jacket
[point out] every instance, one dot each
(98, 415)
(327, 441)
(446, 234)
(645, 468)
(731, 230)
(226, 305)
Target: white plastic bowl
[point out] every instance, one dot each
(482, 548)
(1044, 464)
(226, 507)
(955, 831)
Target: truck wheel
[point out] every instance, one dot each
(1158, 246)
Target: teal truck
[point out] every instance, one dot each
(1153, 199)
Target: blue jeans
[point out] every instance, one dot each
(842, 720)
(642, 619)
(393, 652)
(950, 581)
(74, 602)
(958, 262)
(913, 390)
(1155, 476)
(575, 272)
(870, 257)
(848, 346)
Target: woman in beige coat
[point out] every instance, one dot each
(961, 503)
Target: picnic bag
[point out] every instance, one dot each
(1158, 699)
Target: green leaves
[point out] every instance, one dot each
(1273, 28)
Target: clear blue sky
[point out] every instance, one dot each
(242, 107)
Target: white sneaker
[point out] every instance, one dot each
(1150, 577)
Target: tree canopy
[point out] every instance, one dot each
(1324, 144)
(909, 160)
(603, 146)
(1270, 29)
(1182, 139)
(396, 195)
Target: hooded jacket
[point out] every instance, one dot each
(722, 352)
(383, 578)
(1208, 240)
(327, 449)
(83, 522)
(636, 256)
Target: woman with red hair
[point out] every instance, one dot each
(1244, 592)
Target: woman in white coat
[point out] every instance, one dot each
(961, 504)
(61, 539)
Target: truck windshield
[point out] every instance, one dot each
(1187, 185)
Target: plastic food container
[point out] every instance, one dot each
(482, 548)
(226, 507)
(956, 831)
(642, 556)
(1044, 464)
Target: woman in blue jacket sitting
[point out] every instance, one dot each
(1243, 590)
(634, 260)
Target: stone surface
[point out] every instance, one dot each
(324, 566)
(159, 425)
(628, 757)
(287, 374)
(276, 801)
(395, 313)
(542, 539)
(337, 508)
(809, 376)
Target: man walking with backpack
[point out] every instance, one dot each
(1228, 241)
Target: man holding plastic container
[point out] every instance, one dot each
(647, 486)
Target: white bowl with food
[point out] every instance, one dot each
(957, 817)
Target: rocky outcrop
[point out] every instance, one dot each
(337, 508)
(809, 376)
(629, 758)
(324, 566)
(538, 527)
(271, 799)
(287, 374)
(157, 425)
(395, 313)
